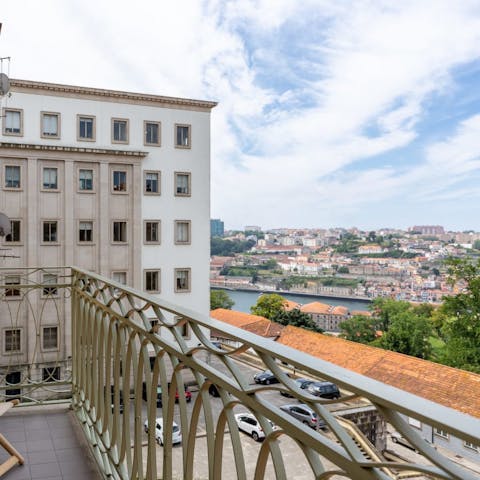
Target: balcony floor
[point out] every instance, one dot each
(52, 443)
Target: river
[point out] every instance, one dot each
(245, 299)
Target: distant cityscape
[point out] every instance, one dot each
(340, 262)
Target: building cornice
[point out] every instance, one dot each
(28, 86)
(69, 149)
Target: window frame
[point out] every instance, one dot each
(12, 293)
(127, 130)
(5, 187)
(79, 179)
(42, 132)
(158, 173)
(159, 132)
(471, 446)
(57, 343)
(189, 136)
(83, 242)
(189, 280)
(20, 335)
(4, 122)
(184, 329)
(119, 191)
(117, 272)
(94, 128)
(49, 292)
(157, 273)
(441, 433)
(175, 185)
(48, 189)
(51, 374)
(50, 242)
(14, 242)
(119, 242)
(177, 223)
(145, 236)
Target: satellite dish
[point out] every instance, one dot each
(5, 227)
(4, 84)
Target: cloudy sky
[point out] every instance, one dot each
(331, 113)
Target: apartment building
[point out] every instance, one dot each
(114, 182)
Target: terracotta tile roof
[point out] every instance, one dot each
(289, 305)
(315, 307)
(252, 323)
(429, 380)
(339, 310)
(365, 313)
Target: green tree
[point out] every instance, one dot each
(269, 306)
(359, 328)
(343, 269)
(476, 244)
(384, 309)
(220, 299)
(297, 318)
(408, 333)
(461, 317)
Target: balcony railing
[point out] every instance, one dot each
(131, 353)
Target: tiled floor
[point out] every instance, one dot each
(50, 440)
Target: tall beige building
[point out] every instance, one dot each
(114, 182)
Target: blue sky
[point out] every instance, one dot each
(330, 113)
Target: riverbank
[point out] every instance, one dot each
(245, 298)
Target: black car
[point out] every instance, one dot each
(324, 390)
(302, 383)
(265, 378)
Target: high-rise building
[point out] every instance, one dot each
(115, 182)
(217, 228)
(428, 229)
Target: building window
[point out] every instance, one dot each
(50, 338)
(52, 280)
(10, 290)
(12, 176)
(13, 378)
(182, 136)
(119, 181)
(50, 178)
(14, 235)
(182, 184)
(182, 232)
(86, 128)
(152, 231)
(120, 277)
(120, 232)
(440, 433)
(50, 233)
(50, 125)
(182, 280)
(13, 340)
(183, 328)
(472, 446)
(119, 130)
(152, 133)
(85, 231)
(85, 180)
(13, 122)
(152, 182)
(152, 280)
(414, 422)
(50, 374)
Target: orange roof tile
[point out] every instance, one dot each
(339, 310)
(365, 313)
(426, 379)
(315, 307)
(290, 305)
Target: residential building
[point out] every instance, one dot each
(113, 182)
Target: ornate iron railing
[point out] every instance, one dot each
(118, 348)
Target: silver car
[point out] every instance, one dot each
(305, 414)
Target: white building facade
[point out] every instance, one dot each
(114, 182)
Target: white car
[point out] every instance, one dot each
(247, 423)
(176, 434)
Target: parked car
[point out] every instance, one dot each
(401, 440)
(188, 394)
(249, 424)
(176, 434)
(302, 383)
(324, 390)
(305, 414)
(213, 390)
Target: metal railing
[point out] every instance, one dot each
(132, 354)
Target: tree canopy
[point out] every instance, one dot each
(220, 299)
(297, 318)
(269, 306)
